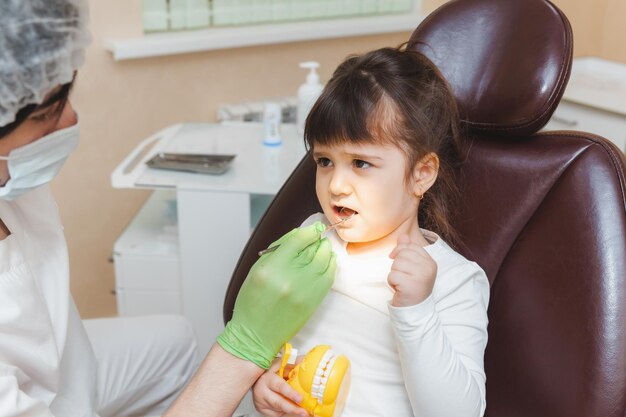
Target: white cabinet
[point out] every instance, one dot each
(146, 256)
(147, 266)
(594, 101)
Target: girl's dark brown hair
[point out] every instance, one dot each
(395, 96)
(54, 103)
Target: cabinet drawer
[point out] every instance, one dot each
(571, 116)
(146, 272)
(142, 302)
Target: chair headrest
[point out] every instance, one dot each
(507, 61)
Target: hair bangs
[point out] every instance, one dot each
(386, 124)
(344, 111)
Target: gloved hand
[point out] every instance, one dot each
(279, 295)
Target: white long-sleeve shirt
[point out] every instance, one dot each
(47, 366)
(424, 360)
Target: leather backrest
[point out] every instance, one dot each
(544, 214)
(507, 62)
(546, 218)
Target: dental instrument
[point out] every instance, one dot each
(328, 228)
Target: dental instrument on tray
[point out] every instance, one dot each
(198, 163)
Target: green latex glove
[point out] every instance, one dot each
(279, 295)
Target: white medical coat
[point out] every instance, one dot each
(47, 363)
(47, 366)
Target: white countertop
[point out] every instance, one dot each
(598, 83)
(257, 169)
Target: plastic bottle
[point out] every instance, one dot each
(271, 122)
(308, 93)
(271, 142)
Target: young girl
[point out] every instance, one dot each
(407, 310)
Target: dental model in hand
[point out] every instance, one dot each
(345, 213)
(322, 378)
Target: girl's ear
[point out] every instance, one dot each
(425, 174)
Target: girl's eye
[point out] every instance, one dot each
(323, 162)
(361, 164)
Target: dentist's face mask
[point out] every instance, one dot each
(37, 163)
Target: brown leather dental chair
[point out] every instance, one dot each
(543, 213)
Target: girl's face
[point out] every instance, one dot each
(370, 180)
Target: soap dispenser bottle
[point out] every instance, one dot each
(308, 93)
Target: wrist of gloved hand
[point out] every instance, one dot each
(243, 343)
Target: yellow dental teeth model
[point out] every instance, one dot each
(322, 378)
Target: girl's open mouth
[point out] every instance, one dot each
(344, 212)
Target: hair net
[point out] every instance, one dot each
(42, 43)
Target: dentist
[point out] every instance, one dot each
(51, 362)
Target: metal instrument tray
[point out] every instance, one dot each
(198, 163)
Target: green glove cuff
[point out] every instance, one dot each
(245, 344)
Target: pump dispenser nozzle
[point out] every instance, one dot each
(308, 93)
(312, 77)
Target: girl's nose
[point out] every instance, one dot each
(339, 183)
